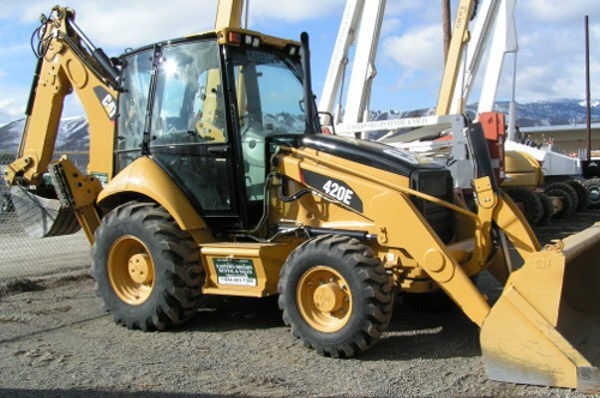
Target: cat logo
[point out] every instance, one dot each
(107, 100)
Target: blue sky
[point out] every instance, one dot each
(409, 62)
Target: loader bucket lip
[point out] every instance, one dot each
(503, 365)
(545, 327)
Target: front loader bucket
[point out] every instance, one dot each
(42, 217)
(545, 327)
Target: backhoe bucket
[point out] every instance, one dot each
(545, 327)
(42, 217)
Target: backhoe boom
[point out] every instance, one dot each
(64, 66)
(67, 62)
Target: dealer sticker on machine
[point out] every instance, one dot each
(235, 271)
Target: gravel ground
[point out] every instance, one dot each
(56, 340)
(22, 256)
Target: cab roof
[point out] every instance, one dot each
(231, 37)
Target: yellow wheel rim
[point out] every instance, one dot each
(131, 270)
(324, 299)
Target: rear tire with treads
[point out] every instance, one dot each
(360, 289)
(567, 201)
(532, 207)
(582, 195)
(166, 290)
(548, 208)
(568, 188)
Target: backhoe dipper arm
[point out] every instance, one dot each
(67, 61)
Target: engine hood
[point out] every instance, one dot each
(370, 153)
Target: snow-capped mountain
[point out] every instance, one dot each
(72, 135)
(10, 135)
(539, 113)
(550, 113)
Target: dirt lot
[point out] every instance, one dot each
(56, 340)
(21, 256)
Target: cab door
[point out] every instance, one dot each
(189, 134)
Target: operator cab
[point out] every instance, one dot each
(209, 105)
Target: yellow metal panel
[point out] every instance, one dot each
(512, 221)
(521, 170)
(83, 190)
(145, 177)
(267, 259)
(229, 14)
(223, 37)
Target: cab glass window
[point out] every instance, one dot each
(270, 103)
(189, 105)
(189, 126)
(133, 100)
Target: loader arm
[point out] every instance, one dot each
(435, 257)
(380, 204)
(64, 66)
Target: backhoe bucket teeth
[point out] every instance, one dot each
(545, 327)
(42, 217)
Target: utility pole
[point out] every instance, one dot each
(587, 89)
(446, 27)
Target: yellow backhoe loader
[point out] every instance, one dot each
(208, 175)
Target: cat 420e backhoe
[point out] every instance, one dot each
(208, 175)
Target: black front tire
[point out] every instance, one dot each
(178, 274)
(369, 285)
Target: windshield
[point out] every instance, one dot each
(269, 90)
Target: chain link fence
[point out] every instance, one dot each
(22, 256)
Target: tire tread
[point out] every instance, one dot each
(180, 297)
(377, 287)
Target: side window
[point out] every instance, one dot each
(189, 106)
(132, 107)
